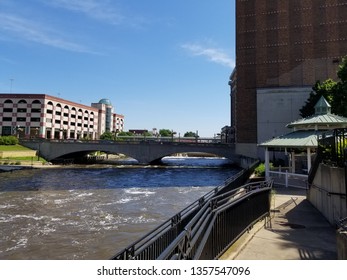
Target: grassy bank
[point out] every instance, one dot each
(10, 148)
(18, 155)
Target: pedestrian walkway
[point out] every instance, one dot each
(296, 230)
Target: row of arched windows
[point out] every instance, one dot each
(22, 101)
(73, 109)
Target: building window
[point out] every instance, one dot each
(8, 101)
(19, 119)
(49, 111)
(35, 119)
(33, 110)
(21, 110)
(22, 101)
(57, 121)
(8, 110)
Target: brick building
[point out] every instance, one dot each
(282, 48)
(45, 116)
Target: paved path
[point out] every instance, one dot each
(295, 231)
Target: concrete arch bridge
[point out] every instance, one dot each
(145, 152)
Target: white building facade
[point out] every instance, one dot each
(50, 117)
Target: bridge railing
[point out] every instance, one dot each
(176, 237)
(136, 139)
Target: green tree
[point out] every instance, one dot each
(325, 89)
(190, 134)
(107, 136)
(334, 92)
(165, 132)
(339, 102)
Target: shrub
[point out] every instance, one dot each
(260, 169)
(8, 140)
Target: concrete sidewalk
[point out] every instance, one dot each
(296, 230)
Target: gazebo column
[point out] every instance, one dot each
(267, 163)
(309, 164)
(293, 162)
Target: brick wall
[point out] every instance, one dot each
(284, 43)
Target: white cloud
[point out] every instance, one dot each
(98, 9)
(17, 27)
(6, 60)
(212, 54)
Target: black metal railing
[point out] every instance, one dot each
(155, 242)
(221, 222)
(331, 147)
(181, 236)
(331, 150)
(342, 224)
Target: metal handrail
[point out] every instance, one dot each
(196, 233)
(342, 224)
(171, 228)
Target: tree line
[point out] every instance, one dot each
(162, 133)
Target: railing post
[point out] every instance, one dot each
(286, 179)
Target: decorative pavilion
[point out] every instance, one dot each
(305, 135)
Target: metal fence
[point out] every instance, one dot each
(332, 149)
(220, 223)
(331, 146)
(207, 226)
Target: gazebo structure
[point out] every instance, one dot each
(303, 138)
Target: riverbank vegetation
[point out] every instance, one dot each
(15, 154)
(8, 140)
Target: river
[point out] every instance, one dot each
(92, 212)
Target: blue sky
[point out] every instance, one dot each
(163, 64)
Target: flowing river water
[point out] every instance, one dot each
(94, 212)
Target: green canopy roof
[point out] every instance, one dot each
(327, 120)
(296, 139)
(308, 129)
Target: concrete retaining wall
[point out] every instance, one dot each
(328, 193)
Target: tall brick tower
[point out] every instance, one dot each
(282, 48)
